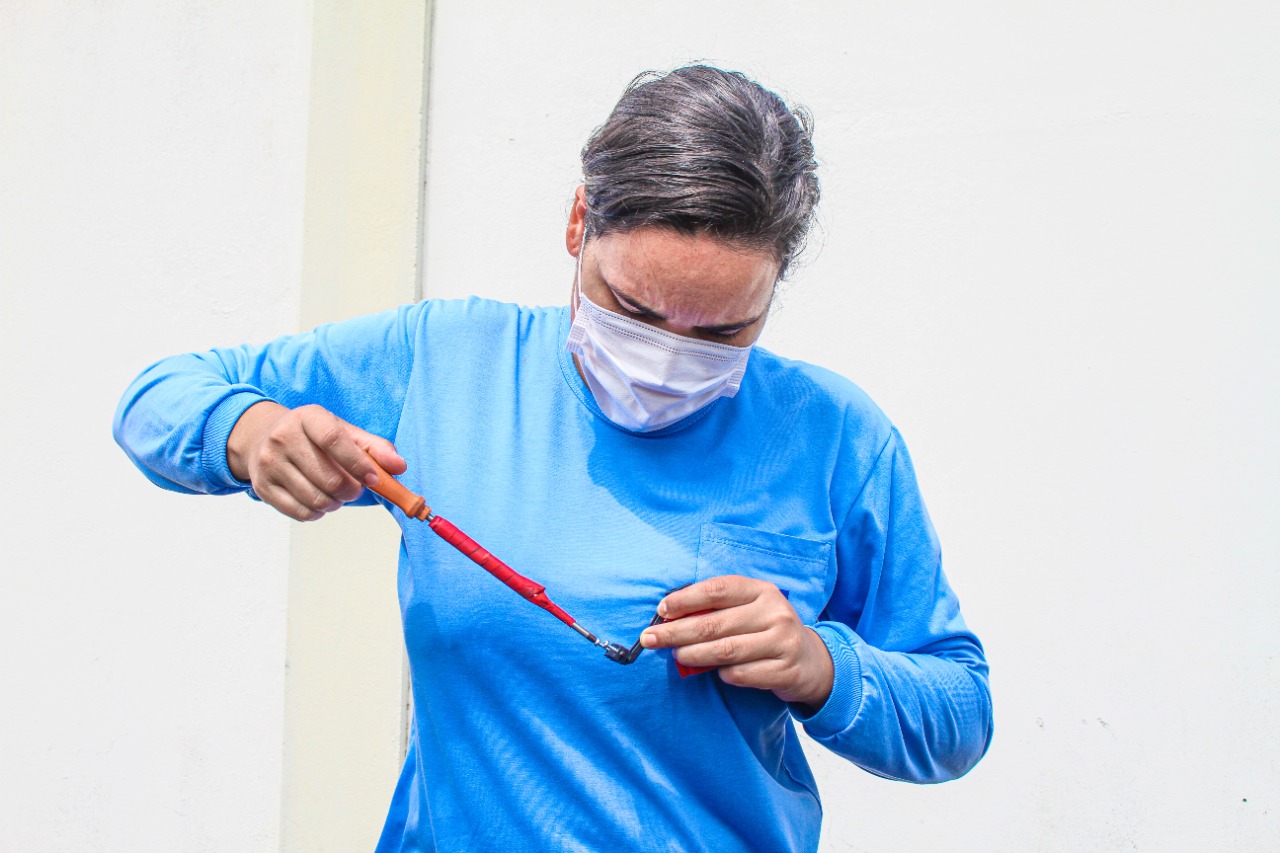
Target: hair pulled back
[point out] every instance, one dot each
(700, 150)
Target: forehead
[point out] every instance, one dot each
(696, 279)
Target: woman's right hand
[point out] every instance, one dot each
(305, 462)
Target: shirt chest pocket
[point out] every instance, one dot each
(797, 566)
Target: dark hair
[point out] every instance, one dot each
(704, 151)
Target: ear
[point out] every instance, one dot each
(577, 222)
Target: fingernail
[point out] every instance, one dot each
(371, 479)
(648, 640)
(662, 609)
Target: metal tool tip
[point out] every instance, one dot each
(618, 653)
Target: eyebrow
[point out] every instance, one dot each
(645, 310)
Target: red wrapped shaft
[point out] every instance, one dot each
(528, 589)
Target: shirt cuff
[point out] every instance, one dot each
(217, 429)
(837, 713)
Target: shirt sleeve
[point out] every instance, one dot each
(174, 419)
(910, 699)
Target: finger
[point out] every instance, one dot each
(319, 473)
(280, 499)
(764, 673)
(687, 630)
(710, 594)
(335, 440)
(383, 451)
(276, 477)
(301, 487)
(726, 651)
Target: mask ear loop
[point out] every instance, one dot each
(577, 279)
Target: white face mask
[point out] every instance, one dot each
(644, 378)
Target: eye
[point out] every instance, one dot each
(633, 310)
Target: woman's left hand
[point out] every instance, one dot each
(752, 634)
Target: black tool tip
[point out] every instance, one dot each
(619, 654)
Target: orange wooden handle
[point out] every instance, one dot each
(414, 506)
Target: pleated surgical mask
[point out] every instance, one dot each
(644, 378)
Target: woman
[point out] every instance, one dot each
(630, 450)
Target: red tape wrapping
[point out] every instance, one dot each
(531, 590)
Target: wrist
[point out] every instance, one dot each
(822, 673)
(246, 434)
(817, 678)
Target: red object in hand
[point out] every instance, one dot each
(686, 671)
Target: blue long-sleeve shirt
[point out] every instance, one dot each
(524, 736)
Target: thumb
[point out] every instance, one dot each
(382, 451)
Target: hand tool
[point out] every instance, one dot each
(685, 671)
(415, 506)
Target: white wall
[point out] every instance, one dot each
(151, 193)
(1049, 251)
